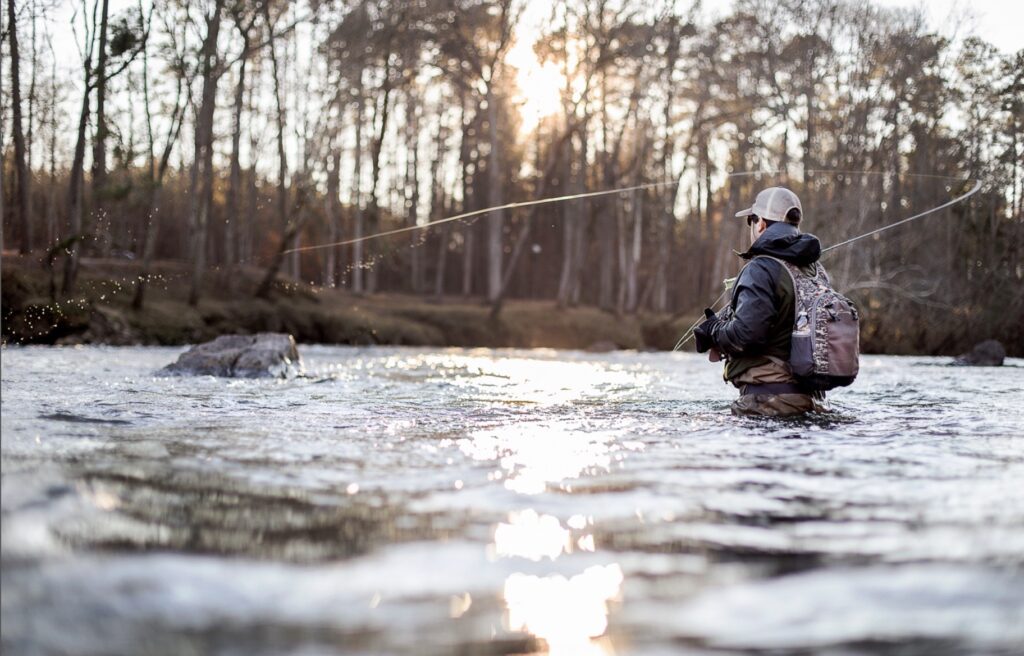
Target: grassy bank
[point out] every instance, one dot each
(101, 312)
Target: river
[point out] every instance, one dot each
(431, 501)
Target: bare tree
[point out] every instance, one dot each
(290, 228)
(201, 196)
(21, 172)
(99, 143)
(244, 17)
(157, 166)
(127, 44)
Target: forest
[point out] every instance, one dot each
(270, 143)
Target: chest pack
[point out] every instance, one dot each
(825, 349)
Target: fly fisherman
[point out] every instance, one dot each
(754, 334)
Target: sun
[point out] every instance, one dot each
(540, 85)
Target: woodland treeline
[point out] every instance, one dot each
(226, 133)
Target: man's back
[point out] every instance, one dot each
(757, 337)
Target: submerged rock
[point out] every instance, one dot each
(989, 353)
(264, 355)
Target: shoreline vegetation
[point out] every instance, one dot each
(578, 164)
(101, 313)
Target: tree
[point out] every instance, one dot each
(472, 46)
(244, 16)
(21, 172)
(99, 144)
(157, 167)
(201, 186)
(124, 47)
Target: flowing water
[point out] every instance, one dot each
(428, 501)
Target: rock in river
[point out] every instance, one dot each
(264, 355)
(989, 353)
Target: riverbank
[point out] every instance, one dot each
(101, 313)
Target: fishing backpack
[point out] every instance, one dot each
(826, 331)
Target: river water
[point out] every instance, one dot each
(428, 501)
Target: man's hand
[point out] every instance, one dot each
(703, 334)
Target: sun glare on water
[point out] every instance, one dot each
(568, 612)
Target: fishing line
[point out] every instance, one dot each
(486, 210)
(688, 335)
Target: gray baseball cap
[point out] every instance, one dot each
(772, 204)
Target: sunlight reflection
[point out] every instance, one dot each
(547, 382)
(459, 604)
(516, 380)
(536, 454)
(532, 536)
(566, 613)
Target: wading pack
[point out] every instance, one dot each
(826, 331)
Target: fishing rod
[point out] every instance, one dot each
(688, 335)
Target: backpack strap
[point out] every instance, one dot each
(819, 271)
(788, 268)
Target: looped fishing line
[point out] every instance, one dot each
(688, 335)
(486, 210)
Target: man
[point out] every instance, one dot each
(754, 334)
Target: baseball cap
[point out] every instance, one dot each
(773, 203)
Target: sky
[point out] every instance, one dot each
(1000, 22)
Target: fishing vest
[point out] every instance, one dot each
(825, 341)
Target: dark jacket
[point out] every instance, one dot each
(760, 323)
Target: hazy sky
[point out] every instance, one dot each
(1000, 22)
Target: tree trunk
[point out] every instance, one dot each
(289, 229)
(331, 210)
(248, 246)
(3, 148)
(524, 233)
(202, 178)
(21, 175)
(665, 232)
(495, 197)
(51, 194)
(437, 194)
(469, 230)
(32, 101)
(412, 180)
(606, 226)
(373, 213)
(149, 236)
(633, 272)
(75, 190)
(607, 209)
(99, 145)
(234, 215)
(357, 201)
(570, 216)
(157, 174)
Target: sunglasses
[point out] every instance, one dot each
(752, 219)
